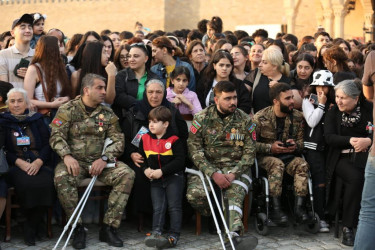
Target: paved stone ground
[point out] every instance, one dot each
(278, 238)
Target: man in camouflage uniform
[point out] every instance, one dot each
(278, 146)
(220, 145)
(78, 133)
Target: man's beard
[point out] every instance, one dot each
(227, 111)
(285, 109)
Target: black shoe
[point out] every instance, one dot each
(277, 215)
(79, 238)
(109, 234)
(243, 242)
(299, 210)
(29, 235)
(348, 236)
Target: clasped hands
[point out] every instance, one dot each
(153, 173)
(223, 180)
(360, 144)
(72, 166)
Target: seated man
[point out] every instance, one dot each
(78, 133)
(220, 145)
(279, 132)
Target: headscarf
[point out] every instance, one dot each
(145, 107)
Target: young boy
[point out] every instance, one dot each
(164, 166)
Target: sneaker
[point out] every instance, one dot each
(172, 241)
(324, 227)
(157, 240)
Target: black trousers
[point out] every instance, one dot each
(349, 183)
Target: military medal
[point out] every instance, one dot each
(233, 130)
(100, 129)
(101, 116)
(100, 123)
(241, 143)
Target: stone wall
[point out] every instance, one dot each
(73, 16)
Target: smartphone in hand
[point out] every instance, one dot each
(314, 99)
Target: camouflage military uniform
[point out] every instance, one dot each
(266, 131)
(224, 145)
(82, 135)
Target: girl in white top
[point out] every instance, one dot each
(48, 62)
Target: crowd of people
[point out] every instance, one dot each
(207, 99)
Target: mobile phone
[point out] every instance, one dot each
(314, 99)
(288, 144)
(23, 63)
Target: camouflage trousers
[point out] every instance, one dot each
(121, 179)
(297, 168)
(235, 195)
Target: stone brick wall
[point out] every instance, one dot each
(73, 16)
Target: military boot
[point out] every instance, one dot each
(299, 210)
(109, 234)
(247, 242)
(276, 214)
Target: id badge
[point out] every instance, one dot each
(23, 141)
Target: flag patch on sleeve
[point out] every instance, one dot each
(194, 127)
(57, 122)
(252, 128)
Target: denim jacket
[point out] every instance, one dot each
(159, 69)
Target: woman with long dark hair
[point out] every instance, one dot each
(95, 60)
(121, 57)
(219, 69)
(108, 45)
(301, 77)
(46, 81)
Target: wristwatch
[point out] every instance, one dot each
(104, 158)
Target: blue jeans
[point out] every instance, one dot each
(167, 193)
(365, 238)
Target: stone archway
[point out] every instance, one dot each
(368, 7)
(291, 8)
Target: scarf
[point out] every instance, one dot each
(349, 120)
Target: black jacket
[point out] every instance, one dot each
(338, 142)
(166, 153)
(137, 116)
(243, 95)
(126, 89)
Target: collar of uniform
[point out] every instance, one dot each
(215, 116)
(94, 113)
(16, 51)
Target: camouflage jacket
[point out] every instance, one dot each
(266, 130)
(221, 144)
(81, 134)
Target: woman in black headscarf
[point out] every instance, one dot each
(136, 118)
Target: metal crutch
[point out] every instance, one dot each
(200, 174)
(220, 212)
(82, 202)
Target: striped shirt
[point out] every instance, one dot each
(9, 58)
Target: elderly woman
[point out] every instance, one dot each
(272, 69)
(27, 151)
(136, 118)
(349, 137)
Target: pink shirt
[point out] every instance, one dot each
(183, 108)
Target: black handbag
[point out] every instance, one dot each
(4, 167)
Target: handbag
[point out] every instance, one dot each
(43, 111)
(4, 167)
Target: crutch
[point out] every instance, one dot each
(82, 202)
(200, 174)
(220, 212)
